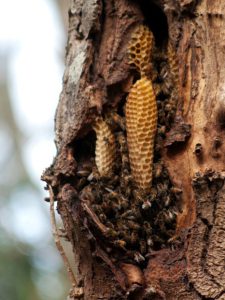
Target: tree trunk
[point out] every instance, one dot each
(182, 255)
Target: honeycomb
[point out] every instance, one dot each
(141, 124)
(173, 64)
(140, 49)
(105, 150)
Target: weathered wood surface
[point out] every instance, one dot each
(97, 75)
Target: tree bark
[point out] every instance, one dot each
(97, 80)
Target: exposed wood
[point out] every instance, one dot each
(97, 80)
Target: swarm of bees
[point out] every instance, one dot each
(128, 197)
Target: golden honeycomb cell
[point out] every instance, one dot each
(105, 150)
(140, 48)
(141, 124)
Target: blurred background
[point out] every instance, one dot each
(32, 43)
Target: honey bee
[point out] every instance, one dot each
(120, 243)
(143, 247)
(119, 120)
(158, 170)
(138, 257)
(133, 225)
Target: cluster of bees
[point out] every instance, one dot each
(128, 197)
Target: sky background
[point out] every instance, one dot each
(32, 43)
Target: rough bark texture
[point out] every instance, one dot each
(96, 78)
